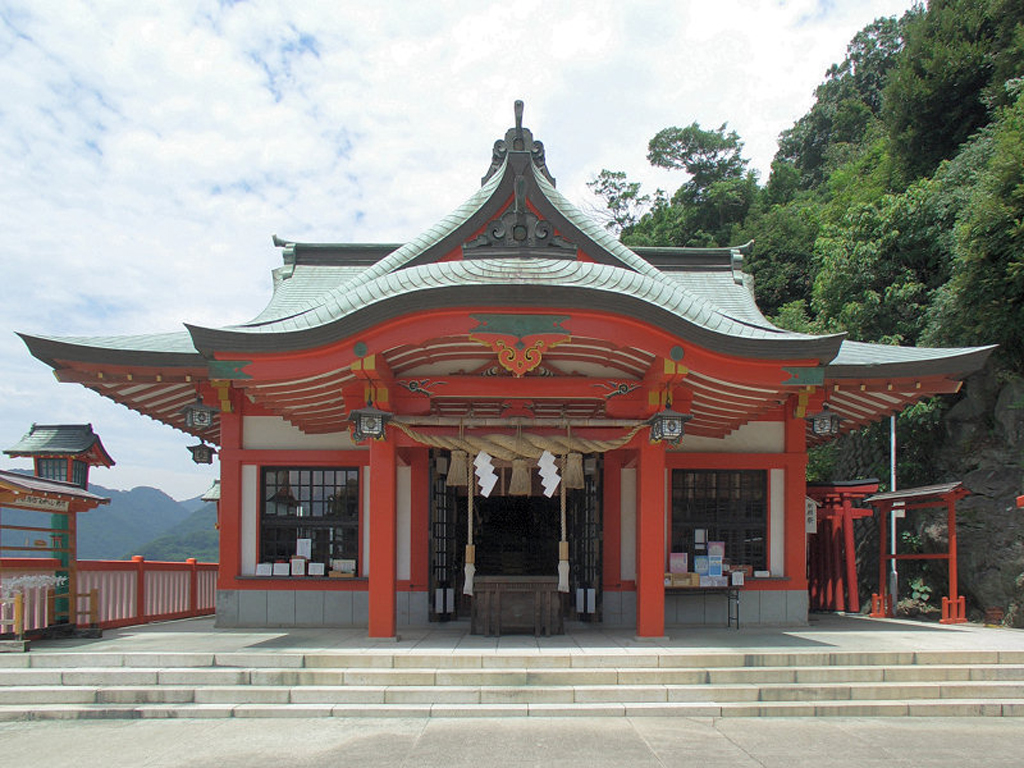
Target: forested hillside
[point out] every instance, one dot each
(894, 211)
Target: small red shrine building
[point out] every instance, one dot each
(513, 327)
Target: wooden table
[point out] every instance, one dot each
(732, 596)
(511, 604)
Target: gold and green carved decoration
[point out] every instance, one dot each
(520, 341)
(804, 377)
(228, 369)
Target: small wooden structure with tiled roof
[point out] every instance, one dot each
(941, 496)
(57, 541)
(513, 326)
(831, 550)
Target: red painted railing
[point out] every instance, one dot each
(128, 592)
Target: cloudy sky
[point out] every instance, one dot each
(149, 150)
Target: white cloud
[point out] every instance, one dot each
(149, 149)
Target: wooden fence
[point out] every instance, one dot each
(113, 593)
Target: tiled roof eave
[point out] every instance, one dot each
(760, 346)
(954, 363)
(52, 351)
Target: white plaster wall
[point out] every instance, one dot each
(777, 521)
(250, 519)
(627, 507)
(274, 433)
(403, 535)
(756, 437)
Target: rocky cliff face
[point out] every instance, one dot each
(984, 447)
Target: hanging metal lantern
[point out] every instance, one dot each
(668, 425)
(202, 453)
(825, 423)
(198, 415)
(369, 423)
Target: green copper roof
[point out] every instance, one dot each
(859, 360)
(61, 440)
(526, 282)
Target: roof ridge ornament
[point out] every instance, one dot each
(518, 139)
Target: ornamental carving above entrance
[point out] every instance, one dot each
(520, 341)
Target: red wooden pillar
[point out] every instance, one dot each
(880, 601)
(852, 588)
(650, 541)
(953, 607)
(795, 494)
(140, 587)
(383, 525)
(828, 578)
(419, 518)
(838, 577)
(193, 586)
(612, 525)
(229, 508)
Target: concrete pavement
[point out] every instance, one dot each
(824, 632)
(589, 742)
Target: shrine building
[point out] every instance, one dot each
(617, 414)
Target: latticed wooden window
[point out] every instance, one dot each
(316, 503)
(726, 505)
(52, 469)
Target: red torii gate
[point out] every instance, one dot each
(924, 497)
(832, 555)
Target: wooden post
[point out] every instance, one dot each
(795, 561)
(229, 508)
(383, 524)
(650, 539)
(140, 586)
(953, 609)
(611, 556)
(19, 616)
(193, 586)
(880, 600)
(850, 549)
(419, 518)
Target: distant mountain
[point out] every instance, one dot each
(195, 536)
(118, 530)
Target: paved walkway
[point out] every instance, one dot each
(825, 632)
(549, 742)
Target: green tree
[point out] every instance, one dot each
(710, 205)
(846, 104)
(956, 58)
(624, 205)
(880, 266)
(707, 156)
(782, 259)
(984, 300)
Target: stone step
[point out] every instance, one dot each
(866, 708)
(549, 682)
(505, 694)
(390, 676)
(545, 659)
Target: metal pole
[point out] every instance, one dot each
(893, 573)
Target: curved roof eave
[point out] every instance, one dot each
(518, 283)
(156, 351)
(860, 360)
